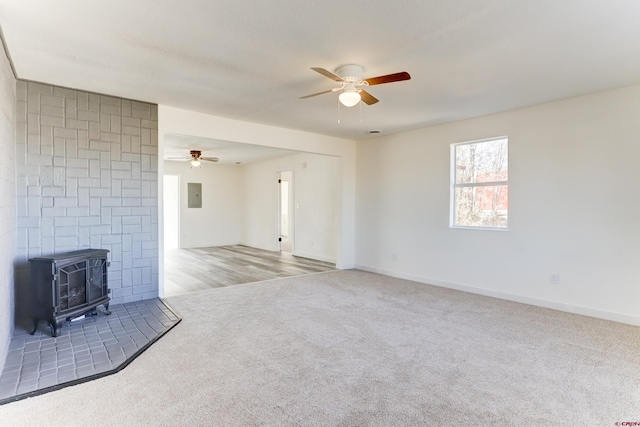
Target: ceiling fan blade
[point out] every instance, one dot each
(315, 94)
(327, 74)
(209, 159)
(367, 98)
(178, 159)
(389, 78)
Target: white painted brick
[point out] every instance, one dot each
(94, 168)
(142, 211)
(47, 228)
(34, 206)
(130, 183)
(105, 160)
(46, 135)
(136, 171)
(125, 166)
(22, 208)
(138, 238)
(110, 239)
(120, 211)
(22, 238)
(65, 242)
(131, 228)
(99, 145)
(71, 108)
(47, 202)
(110, 137)
(65, 202)
(59, 176)
(71, 146)
(100, 229)
(83, 197)
(63, 132)
(84, 237)
(78, 163)
(83, 140)
(88, 115)
(130, 157)
(105, 216)
(88, 221)
(65, 222)
(66, 231)
(130, 201)
(149, 253)
(64, 92)
(131, 192)
(135, 144)
(94, 206)
(96, 241)
(105, 178)
(79, 211)
(77, 173)
(117, 174)
(55, 101)
(100, 192)
(140, 114)
(88, 182)
(71, 189)
(116, 225)
(50, 110)
(59, 161)
(111, 201)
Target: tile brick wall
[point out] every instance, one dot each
(7, 200)
(87, 178)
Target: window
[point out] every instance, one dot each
(479, 184)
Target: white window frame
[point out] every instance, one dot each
(454, 185)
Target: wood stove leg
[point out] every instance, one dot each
(35, 326)
(106, 309)
(56, 327)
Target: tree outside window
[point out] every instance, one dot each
(480, 188)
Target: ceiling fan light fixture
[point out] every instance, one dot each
(195, 163)
(349, 97)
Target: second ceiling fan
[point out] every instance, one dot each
(352, 83)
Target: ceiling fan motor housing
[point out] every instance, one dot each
(350, 72)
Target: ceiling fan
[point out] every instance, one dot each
(195, 157)
(351, 84)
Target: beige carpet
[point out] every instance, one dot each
(349, 348)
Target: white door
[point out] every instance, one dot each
(285, 211)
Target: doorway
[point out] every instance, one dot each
(171, 211)
(285, 210)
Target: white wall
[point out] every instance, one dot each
(8, 112)
(317, 195)
(219, 220)
(574, 176)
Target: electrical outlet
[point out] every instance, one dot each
(554, 279)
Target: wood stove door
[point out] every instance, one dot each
(72, 287)
(97, 280)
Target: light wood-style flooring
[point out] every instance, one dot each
(188, 270)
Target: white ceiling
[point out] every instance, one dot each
(250, 60)
(229, 152)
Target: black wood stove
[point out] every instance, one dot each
(68, 285)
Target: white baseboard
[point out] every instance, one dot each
(585, 311)
(316, 257)
(196, 245)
